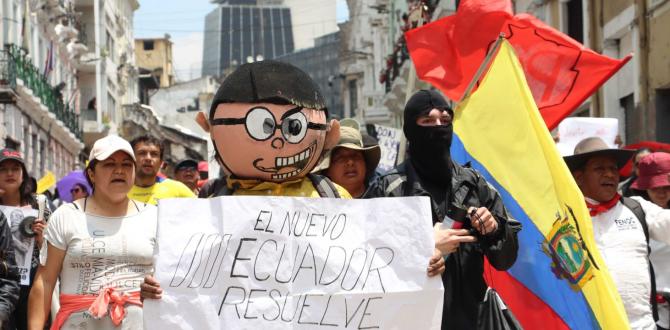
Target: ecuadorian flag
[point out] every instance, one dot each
(559, 280)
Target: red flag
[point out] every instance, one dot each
(561, 72)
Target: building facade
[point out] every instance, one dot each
(177, 106)
(638, 95)
(39, 86)
(106, 66)
(66, 67)
(363, 45)
(179, 103)
(242, 31)
(312, 19)
(321, 62)
(155, 56)
(375, 63)
(178, 143)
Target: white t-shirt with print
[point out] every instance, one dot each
(103, 252)
(623, 246)
(660, 255)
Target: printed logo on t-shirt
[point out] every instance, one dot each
(628, 223)
(105, 262)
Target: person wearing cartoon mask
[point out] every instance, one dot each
(268, 123)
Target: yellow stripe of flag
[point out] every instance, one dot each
(501, 127)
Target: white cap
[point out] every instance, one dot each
(105, 147)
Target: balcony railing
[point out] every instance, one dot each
(7, 71)
(19, 66)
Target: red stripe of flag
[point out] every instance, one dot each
(528, 308)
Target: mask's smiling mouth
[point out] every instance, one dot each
(297, 161)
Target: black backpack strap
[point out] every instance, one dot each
(637, 210)
(324, 186)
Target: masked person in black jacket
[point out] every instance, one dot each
(454, 192)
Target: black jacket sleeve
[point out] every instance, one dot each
(376, 189)
(500, 247)
(9, 276)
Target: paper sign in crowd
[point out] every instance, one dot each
(574, 129)
(295, 263)
(389, 142)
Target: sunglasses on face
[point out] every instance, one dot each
(261, 124)
(76, 190)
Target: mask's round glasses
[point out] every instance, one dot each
(261, 124)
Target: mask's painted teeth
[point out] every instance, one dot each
(285, 175)
(286, 161)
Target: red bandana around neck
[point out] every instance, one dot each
(595, 209)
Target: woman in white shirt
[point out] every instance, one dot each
(100, 247)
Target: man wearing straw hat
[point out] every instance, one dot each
(621, 226)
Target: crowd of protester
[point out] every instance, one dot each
(109, 207)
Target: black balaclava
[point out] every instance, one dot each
(429, 146)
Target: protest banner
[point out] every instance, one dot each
(389, 140)
(574, 129)
(23, 245)
(295, 263)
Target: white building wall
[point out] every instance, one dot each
(366, 44)
(621, 38)
(167, 101)
(46, 142)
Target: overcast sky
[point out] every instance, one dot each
(185, 21)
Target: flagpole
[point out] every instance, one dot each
(483, 66)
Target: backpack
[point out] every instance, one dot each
(323, 185)
(637, 210)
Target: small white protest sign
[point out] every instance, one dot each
(574, 129)
(389, 141)
(295, 263)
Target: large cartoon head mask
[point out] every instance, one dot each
(268, 121)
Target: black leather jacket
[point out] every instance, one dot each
(464, 285)
(9, 276)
